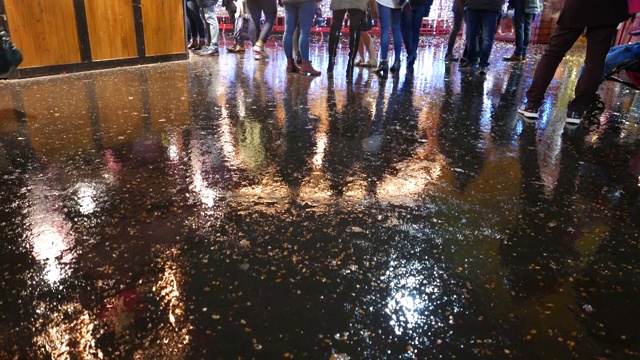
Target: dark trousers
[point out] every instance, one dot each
(480, 22)
(256, 8)
(455, 30)
(599, 40)
(355, 21)
(196, 26)
(522, 26)
(410, 23)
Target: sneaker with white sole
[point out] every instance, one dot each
(574, 117)
(259, 53)
(528, 111)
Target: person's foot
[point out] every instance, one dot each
(395, 68)
(259, 53)
(411, 60)
(468, 66)
(574, 117)
(513, 57)
(528, 111)
(208, 51)
(450, 58)
(236, 49)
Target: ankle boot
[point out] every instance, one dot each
(382, 69)
(331, 64)
(291, 66)
(307, 69)
(395, 67)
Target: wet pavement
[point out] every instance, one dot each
(220, 208)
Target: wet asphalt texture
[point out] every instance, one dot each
(220, 208)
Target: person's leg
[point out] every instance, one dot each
(417, 14)
(599, 42)
(290, 23)
(368, 43)
(518, 27)
(528, 19)
(453, 36)
(489, 23)
(560, 42)
(384, 18)
(334, 36)
(296, 41)
(397, 38)
(270, 10)
(473, 28)
(307, 13)
(361, 49)
(356, 17)
(406, 25)
(255, 13)
(214, 30)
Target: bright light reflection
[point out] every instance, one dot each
(85, 195)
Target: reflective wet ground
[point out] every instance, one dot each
(221, 209)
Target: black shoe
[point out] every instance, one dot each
(574, 117)
(395, 68)
(382, 69)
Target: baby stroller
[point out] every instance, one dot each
(623, 65)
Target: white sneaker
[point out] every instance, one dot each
(259, 53)
(529, 113)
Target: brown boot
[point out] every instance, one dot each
(307, 69)
(291, 66)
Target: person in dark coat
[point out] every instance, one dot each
(482, 18)
(410, 23)
(600, 19)
(524, 12)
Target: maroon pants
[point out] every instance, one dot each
(599, 40)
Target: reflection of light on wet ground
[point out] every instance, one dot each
(410, 290)
(85, 196)
(50, 232)
(74, 339)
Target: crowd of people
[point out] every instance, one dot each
(401, 20)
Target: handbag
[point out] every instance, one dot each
(10, 56)
(241, 27)
(367, 21)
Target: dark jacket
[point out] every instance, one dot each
(427, 3)
(490, 5)
(583, 13)
(206, 3)
(458, 6)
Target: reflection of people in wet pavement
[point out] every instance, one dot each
(536, 250)
(505, 115)
(299, 139)
(344, 143)
(459, 130)
(393, 133)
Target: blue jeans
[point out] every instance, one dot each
(389, 18)
(305, 13)
(410, 24)
(522, 26)
(214, 29)
(477, 21)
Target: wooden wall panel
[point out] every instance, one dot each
(44, 30)
(163, 26)
(111, 29)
